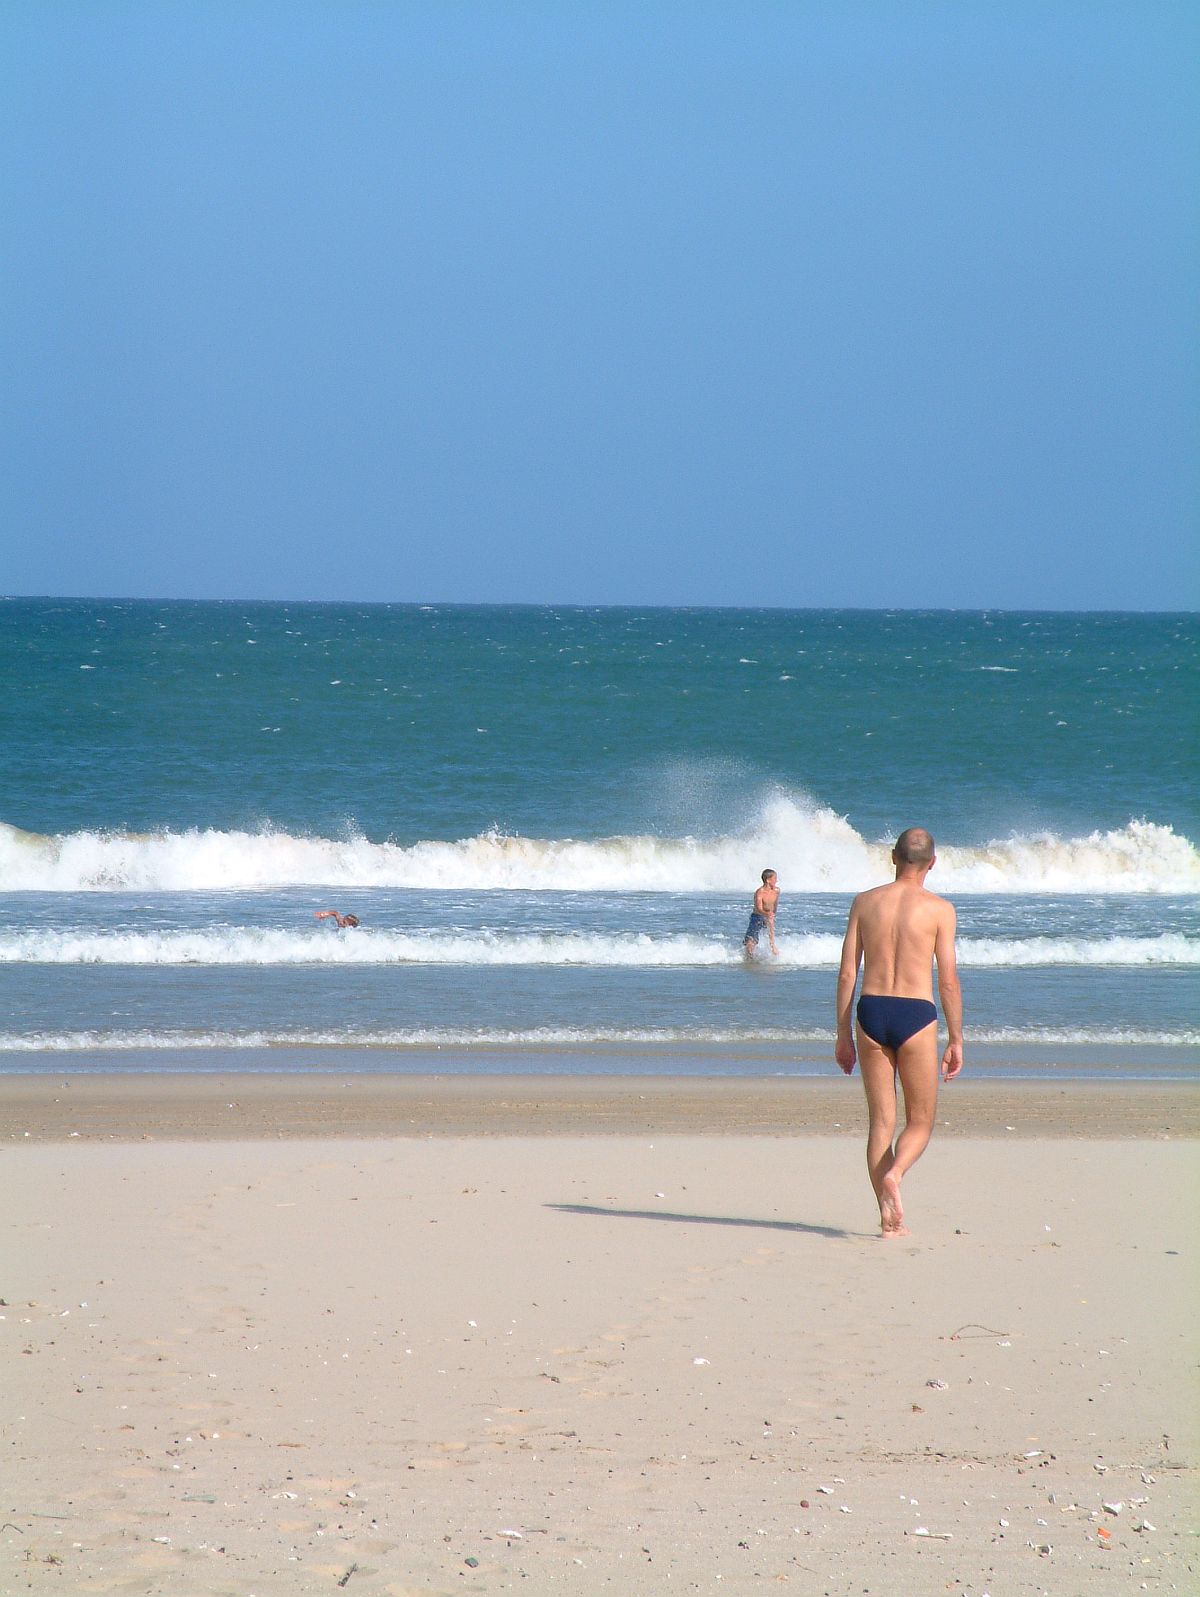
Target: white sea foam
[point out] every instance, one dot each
(1170, 948)
(244, 946)
(253, 946)
(552, 1038)
(418, 1037)
(813, 849)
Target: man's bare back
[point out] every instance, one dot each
(898, 927)
(898, 933)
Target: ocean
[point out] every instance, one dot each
(550, 822)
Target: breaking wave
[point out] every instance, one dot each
(549, 1037)
(813, 849)
(255, 946)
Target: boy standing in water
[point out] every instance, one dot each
(762, 915)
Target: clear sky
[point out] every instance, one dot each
(872, 302)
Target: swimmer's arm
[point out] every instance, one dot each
(852, 952)
(771, 929)
(950, 993)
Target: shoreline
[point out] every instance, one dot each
(233, 1107)
(1028, 1059)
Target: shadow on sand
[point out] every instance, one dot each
(703, 1219)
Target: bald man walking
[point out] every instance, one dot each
(898, 933)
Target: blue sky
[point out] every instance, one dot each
(796, 303)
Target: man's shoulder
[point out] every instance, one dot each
(942, 907)
(869, 893)
(866, 902)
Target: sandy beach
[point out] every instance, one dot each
(269, 1335)
(232, 1106)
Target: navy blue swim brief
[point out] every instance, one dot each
(890, 1022)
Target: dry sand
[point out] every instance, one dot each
(639, 1362)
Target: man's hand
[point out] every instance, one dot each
(844, 1054)
(952, 1061)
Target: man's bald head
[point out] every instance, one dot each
(914, 847)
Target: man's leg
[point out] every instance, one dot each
(878, 1069)
(917, 1066)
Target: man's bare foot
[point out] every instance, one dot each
(891, 1210)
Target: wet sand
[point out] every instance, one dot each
(92, 1105)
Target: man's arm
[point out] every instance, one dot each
(771, 929)
(950, 992)
(847, 980)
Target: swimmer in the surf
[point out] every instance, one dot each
(762, 916)
(898, 933)
(337, 917)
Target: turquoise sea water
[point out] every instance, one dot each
(550, 823)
